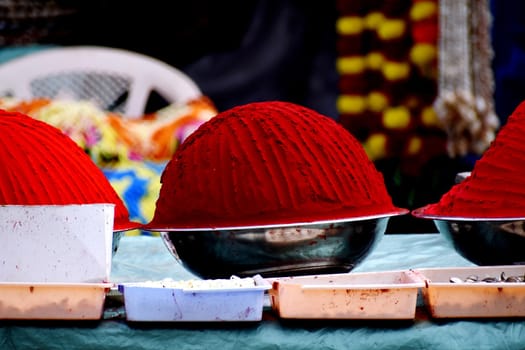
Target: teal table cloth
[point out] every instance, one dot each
(143, 258)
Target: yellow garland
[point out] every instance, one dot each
(396, 117)
(351, 65)
(375, 146)
(391, 29)
(352, 104)
(429, 117)
(350, 25)
(375, 60)
(377, 101)
(422, 54)
(422, 10)
(373, 20)
(396, 70)
(414, 145)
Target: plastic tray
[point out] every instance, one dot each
(56, 243)
(373, 295)
(444, 299)
(52, 301)
(144, 302)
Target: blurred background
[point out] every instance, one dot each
(333, 56)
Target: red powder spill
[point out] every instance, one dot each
(269, 163)
(42, 166)
(496, 185)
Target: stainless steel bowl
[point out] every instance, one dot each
(483, 241)
(117, 235)
(273, 251)
(486, 242)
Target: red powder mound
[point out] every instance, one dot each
(496, 185)
(269, 163)
(42, 166)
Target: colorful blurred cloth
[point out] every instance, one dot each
(132, 153)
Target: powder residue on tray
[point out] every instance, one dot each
(43, 166)
(496, 185)
(268, 163)
(219, 283)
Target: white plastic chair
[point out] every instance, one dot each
(115, 80)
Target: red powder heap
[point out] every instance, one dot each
(496, 185)
(269, 163)
(42, 166)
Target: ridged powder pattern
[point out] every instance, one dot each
(495, 187)
(268, 163)
(42, 166)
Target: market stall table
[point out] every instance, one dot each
(142, 258)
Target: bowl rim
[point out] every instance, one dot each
(419, 213)
(399, 211)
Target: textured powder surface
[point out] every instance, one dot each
(42, 166)
(267, 163)
(496, 185)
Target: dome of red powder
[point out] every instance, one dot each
(269, 163)
(496, 186)
(42, 166)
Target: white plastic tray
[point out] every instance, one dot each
(473, 300)
(145, 302)
(365, 295)
(52, 301)
(56, 243)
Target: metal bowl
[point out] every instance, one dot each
(484, 241)
(274, 251)
(117, 235)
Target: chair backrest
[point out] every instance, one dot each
(115, 80)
